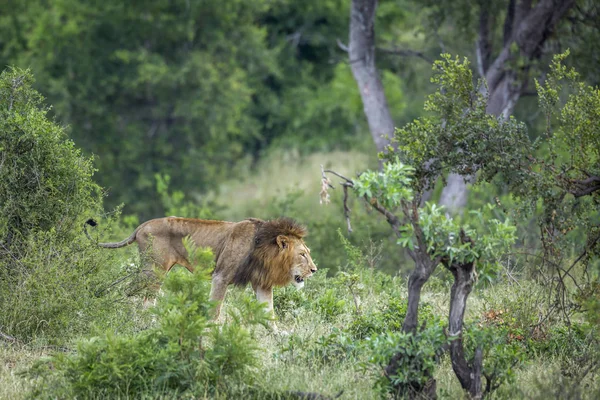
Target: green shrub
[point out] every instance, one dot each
(388, 319)
(53, 283)
(503, 353)
(184, 355)
(288, 301)
(414, 354)
(329, 305)
(46, 183)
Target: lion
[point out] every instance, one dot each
(263, 253)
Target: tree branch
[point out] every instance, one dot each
(391, 218)
(8, 338)
(350, 181)
(346, 208)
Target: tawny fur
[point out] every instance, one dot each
(263, 253)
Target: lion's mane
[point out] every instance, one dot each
(268, 265)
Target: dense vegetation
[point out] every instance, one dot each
(130, 110)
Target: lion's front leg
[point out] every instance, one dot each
(266, 296)
(218, 290)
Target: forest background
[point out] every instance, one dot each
(230, 109)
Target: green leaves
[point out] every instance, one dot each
(442, 234)
(415, 355)
(457, 135)
(390, 187)
(46, 182)
(184, 354)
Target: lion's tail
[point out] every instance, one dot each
(116, 245)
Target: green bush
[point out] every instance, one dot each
(414, 354)
(46, 183)
(184, 355)
(388, 319)
(54, 284)
(329, 305)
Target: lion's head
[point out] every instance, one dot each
(279, 257)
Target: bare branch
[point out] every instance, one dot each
(350, 181)
(391, 218)
(325, 185)
(346, 208)
(341, 45)
(8, 338)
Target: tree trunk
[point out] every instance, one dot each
(529, 27)
(361, 51)
(418, 277)
(469, 376)
(424, 267)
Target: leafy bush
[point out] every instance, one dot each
(388, 319)
(503, 353)
(288, 300)
(329, 305)
(46, 182)
(414, 356)
(183, 355)
(52, 283)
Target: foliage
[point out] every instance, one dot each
(458, 135)
(388, 318)
(390, 186)
(491, 240)
(415, 354)
(329, 305)
(54, 284)
(503, 353)
(46, 182)
(565, 175)
(182, 355)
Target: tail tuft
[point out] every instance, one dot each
(91, 222)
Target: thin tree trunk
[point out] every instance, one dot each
(463, 283)
(361, 50)
(417, 279)
(469, 376)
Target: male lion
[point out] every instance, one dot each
(263, 253)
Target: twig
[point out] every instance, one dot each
(8, 338)
(346, 208)
(342, 45)
(350, 181)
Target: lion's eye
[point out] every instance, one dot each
(303, 255)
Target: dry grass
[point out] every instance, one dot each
(14, 359)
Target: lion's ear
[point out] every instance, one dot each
(283, 241)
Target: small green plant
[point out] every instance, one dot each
(329, 305)
(388, 318)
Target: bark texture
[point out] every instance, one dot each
(361, 50)
(469, 375)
